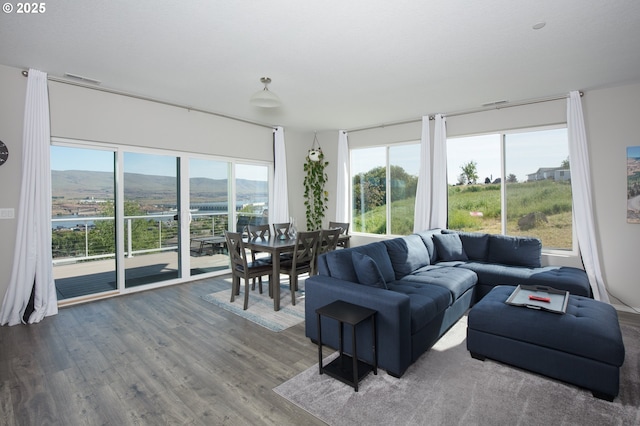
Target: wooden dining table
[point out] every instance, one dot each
(275, 247)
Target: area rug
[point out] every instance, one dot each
(260, 309)
(448, 387)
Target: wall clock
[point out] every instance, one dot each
(4, 153)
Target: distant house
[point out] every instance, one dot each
(553, 173)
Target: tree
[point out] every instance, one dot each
(512, 178)
(565, 164)
(403, 185)
(370, 188)
(470, 172)
(143, 231)
(101, 237)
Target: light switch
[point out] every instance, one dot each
(7, 213)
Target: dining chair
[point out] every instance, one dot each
(241, 268)
(302, 259)
(241, 225)
(264, 232)
(344, 226)
(327, 241)
(281, 229)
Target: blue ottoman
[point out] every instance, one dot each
(582, 347)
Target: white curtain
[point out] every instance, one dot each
(439, 175)
(582, 202)
(279, 202)
(32, 264)
(422, 214)
(342, 190)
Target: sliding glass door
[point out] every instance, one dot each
(252, 195)
(126, 220)
(209, 214)
(82, 222)
(150, 218)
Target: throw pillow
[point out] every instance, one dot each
(476, 245)
(427, 239)
(449, 247)
(340, 267)
(517, 251)
(378, 252)
(407, 254)
(367, 270)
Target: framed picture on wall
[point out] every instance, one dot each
(633, 184)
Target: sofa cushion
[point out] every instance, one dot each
(455, 280)
(495, 274)
(425, 301)
(367, 271)
(407, 254)
(573, 280)
(449, 247)
(427, 239)
(519, 251)
(341, 265)
(475, 244)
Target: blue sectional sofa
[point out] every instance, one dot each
(421, 284)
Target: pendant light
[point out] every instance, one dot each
(265, 98)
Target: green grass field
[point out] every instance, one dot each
(553, 199)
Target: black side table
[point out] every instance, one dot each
(347, 369)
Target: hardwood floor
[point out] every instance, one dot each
(158, 357)
(629, 318)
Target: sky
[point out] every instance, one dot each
(66, 158)
(633, 151)
(525, 154)
(407, 156)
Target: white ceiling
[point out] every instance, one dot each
(336, 64)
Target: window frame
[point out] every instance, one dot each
(387, 147)
(503, 133)
(573, 251)
(183, 158)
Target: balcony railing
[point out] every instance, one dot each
(85, 238)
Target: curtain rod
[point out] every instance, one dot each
(468, 111)
(144, 98)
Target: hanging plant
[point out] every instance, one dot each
(316, 197)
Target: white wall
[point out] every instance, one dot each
(298, 143)
(13, 87)
(611, 119)
(80, 113)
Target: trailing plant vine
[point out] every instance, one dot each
(314, 181)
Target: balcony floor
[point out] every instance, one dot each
(98, 276)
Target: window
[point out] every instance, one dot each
(252, 194)
(384, 188)
(209, 212)
(117, 212)
(150, 231)
(83, 231)
(518, 183)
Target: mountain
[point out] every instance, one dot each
(81, 184)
